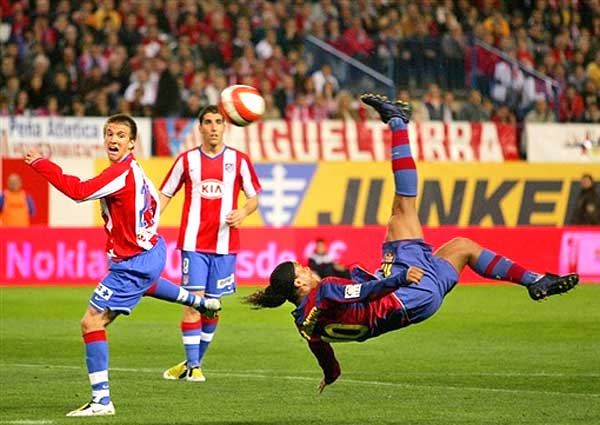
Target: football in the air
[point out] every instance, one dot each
(241, 105)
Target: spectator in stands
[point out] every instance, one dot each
(264, 48)
(168, 96)
(587, 205)
(290, 38)
(4, 109)
(571, 105)
(497, 25)
(10, 92)
(433, 104)
(591, 114)
(472, 110)
(323, 265)
(63, 92)
(540, 113)
(77, 107)
(322, 76)
(560, 42)
(192, 106)
(345, 108)
(142, 80)
(593, 69)
(299, 110)
(454, 48)
(17, 207)
(129, 36)
(272, 112)
(285, 95)
(425, 55)
(504, 115)
(508, 78)
(449, 112)
(357, 41)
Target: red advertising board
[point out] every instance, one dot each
(76, 255)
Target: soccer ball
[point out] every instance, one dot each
(241, 105)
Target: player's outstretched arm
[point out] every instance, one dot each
(370, 290)
(326, 357)
(109, 181)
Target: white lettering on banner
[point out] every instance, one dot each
(332, 141)
(459, 146)
(337, 140)
(580, 253)
(260, 264)
(173, 265)
(52, 265)
(432, 140)
(376, 130)
(354, 150)
(65, 137)
(563, 142)
(490, 149)
(276, 147)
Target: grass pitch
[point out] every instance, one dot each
(489, 356)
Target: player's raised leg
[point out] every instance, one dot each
(461, 252)
(166, 290)
(404, 220)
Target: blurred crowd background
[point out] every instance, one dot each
(504, 61)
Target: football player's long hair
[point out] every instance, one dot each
(281, 288)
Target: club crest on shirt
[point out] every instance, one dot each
(211, 189)
(387, 262)
(352, 291)
(229, 167)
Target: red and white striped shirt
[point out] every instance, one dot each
(212, 187)
(128, 199)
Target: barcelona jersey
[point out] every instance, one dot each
(339, 310)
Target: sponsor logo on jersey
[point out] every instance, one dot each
(352, 291)
(103, 292)
(211, 189)
(387, 263)
(308, 326)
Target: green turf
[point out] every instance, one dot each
(489, 356)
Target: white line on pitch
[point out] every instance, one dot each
(252, 375)
(27, 422)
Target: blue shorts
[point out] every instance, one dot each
(423, 300)
(124, 285)
(212, 273)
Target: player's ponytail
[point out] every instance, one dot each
(281, 288)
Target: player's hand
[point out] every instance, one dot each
(322, 385)
(235, 217)
(414, 275)
(31, 156)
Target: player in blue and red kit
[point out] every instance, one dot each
(136, 253)
(412, 281)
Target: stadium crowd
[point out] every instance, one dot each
(171, 57)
